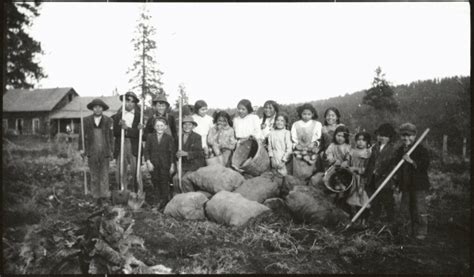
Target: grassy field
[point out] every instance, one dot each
(44, 208)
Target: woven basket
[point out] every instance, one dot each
(329, 176)
(251, 157)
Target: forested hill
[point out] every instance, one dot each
(443, 105)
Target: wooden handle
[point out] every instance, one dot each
(139, 156)
(122, 143)
(180, 140)
(86, 191)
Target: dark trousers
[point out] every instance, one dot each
(99, 170)
(160, 177)
(383, 201)
(413, 208)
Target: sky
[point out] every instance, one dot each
(224, 52)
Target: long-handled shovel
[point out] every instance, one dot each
(180, 143)
(387, 179)
(121, 196)
(86, 191)
(136, 200)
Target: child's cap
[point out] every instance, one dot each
(408, 129)
(162, 119)
(189, 119)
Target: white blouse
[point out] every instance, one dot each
(247, 126)
(268, 126)
(204, 125)
(305, 125)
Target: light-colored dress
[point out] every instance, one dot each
(247, 126)
(224, 140)
(359, 159)
(305, 133)
(204, 124)
(267, 126)
(338, 152)
(279, 149)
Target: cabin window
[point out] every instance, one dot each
(36, 125)
(70, 97)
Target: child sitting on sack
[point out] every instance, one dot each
(413, 181)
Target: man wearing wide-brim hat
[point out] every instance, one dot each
(98, 141)
(161, 108)
(130, 122)
(192, 153)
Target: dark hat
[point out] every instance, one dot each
(386, 130)
(189, 119)
(161, 118)
(160, 98)
(131, 94)
(408, 128)
(97, 102)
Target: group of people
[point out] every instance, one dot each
(307, 146)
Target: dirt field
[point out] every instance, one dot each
(44, 207)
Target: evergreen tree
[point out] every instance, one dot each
(21, 68)
(380, 96)
(145, 75)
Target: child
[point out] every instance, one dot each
(359, 158)
(307, 130)
(159, 156)
(246, 124)
(379, 166)
(161, 108)
(270, 110)
(279, 144)
(338, 154)
(413, 181)
(204, 123)
(192, 154)
(331, 122)
(221, 138)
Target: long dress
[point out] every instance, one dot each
(223, 140)
(279, 149)
(359, 159)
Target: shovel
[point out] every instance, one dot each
(136, 200)
(121, 196)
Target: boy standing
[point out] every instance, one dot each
(413, 181)
(379, 166)
(159, 156)
(98, 139)
(192, 153)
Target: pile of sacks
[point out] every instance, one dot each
(223, 195)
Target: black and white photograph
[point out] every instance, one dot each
(236, 138)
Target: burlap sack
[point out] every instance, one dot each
(189, 205)
(231, 208)
(214, 178)
(260, 188)
(310, 205)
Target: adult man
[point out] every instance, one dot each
(130, 122)
(98, 139)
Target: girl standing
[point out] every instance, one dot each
(270, 110)
(246, 124)
(204, 123)
(221, 137)
(331, 122)
(280, 145)
(359, 158)
(305, 134)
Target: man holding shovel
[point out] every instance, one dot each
(98, 139)
(129, 121)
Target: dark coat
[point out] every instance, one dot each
(410, 177)
(380, 163)
(195, 158)
(106, 126)
(149, 129)
(132, 133)
(161, 154)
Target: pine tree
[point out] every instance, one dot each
(145, 76)
(380, 96)
(21, 68)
